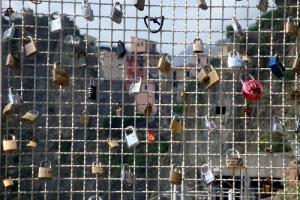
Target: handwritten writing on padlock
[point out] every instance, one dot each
(126, 176)
(277, 126)
(234, 60)
(131, 139)
(174, 176)
(87, 11)
(164, 65)
(30, 117)
(291, 28)
(210, 125)
(97, 168)
(56, 24)
(252, 89)
(277, 67)
(45, 170)
(116, 15)
(208, 176)
(112, 143)
(135, 87)
(234, 162)
(95, 197)
(9, 143)
(175, 125)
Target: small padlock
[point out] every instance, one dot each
(235, 60)
(175, 126)
(213, 77)
(139, 4)
(291, 29)
(9, 145)
(9, 33)
(262, 5)
(30, 117)
(8, 182)
(13, 59)
(266, 186)
(220, 109)
(127, 177)
(92, 90)
(208, 176)
(32, 143)
(246, 110)
(81, 60)
(296, 65)
(84, 117)
(8, 109)
(276, 67)
(135, 87)
(37, 1)
(150, 136)
(210, 125)
(56, 24)
(87, 11)
(72, 40)
(97, 168)
(60, 75)
(203, 74)
(198, 46)
(95, 197)
(148, 110)
(252, 89)
(9, 11)
(295, 95)
(183, 95)
(175, 177)
(30, 48)
(202, 4)
(116, 15)
(163, 65)
(14, 99)
(45, 170)
(121, 50)
(246, 59)
(234, 162)
(297, 126)
(237, 27)
(277, 126)
(112, 143)
(119, 110)
(131, 139)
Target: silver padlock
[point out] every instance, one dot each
(56, 24)
(9, 33)
(72, 40)
(277, 126)
(139, 4)
(237, 27)
(234, 61)
(127, 177)
(262, 5)
(296, 65)
(135, 87)
(246, 58)
(208, 176)
(297, 126)
(95, 197)
(30, 48)
(87, 11)
(14, 99)
(202, 4)
(45, 170)
(210, 125)
(131, 139)
(198, 46)
(81, 60)
(116, 15)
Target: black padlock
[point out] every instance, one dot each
(92, 89)
(220, 107)
(121, 50)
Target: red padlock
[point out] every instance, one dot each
(252, 89)
(151, 137)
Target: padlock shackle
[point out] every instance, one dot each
(34, 112)
(173, 167)
(291, 18)
(85, 3)
(232, 150)
(27, 38)
(96, 197)
(276, 119)
(11, 90)
(245, 75)
(57, 13)
(175, 116)
(97, 163)
(267, 181)
(34, 139)
(124, 167)
(85, 113)
(246, 54)
(197, 39)
(128, 128)
(208, 66)
(109, 140)
(47, 163)
(205, 166)
(119, 106)
(5, 138)
(207, 118)
(118, 4)
(138, 78)
(165, 55)
(92, 81)
(81, 53)
(36, 1)
(57, 63)
(234, 53)
(14, 50)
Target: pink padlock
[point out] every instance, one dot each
(252, 89)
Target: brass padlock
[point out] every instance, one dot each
(8, 182)
(203, 74)
(139, 4)
(13, 59)
(175, 177)
(30, 117)
(81, 60)
(296, 65)
(97, 168)
(8, 109)
(213, 77)
(175, 126)
(119, 109)
(60, 76)
(295, 95)
(148, 110)
(266, 186)
(45, 170)
(30, 48)
(163, 65)
(9, 145)
(84, 117)
(234, 162)
(112, 143)
(291, 29)
(32, 143)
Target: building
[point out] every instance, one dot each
(91, 41)
(111, 65)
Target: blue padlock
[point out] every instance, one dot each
(277, 67)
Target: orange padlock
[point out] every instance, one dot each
(151, 137)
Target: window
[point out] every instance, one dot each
(175, 84)
(142, 44)
(174, 75)
(199, 60)
(150, 65)
(102, 58)
(141, 64)
(92, 43)
(146, 87)
(188, 74)
(207, 60)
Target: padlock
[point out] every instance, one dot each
(8, 109)
(121, 50)
(203, 74)
(9, 11)
(84, 117)
(252, 89)
(175, 125)
(37, 1)
(150, 136)
(246, 111)
(112, 143)
(139, 4)
(127, 177)
(119, 110)
(220, 109)
(246, 59)
(135, 87)
(183, 95)
(175, 177)
(30, 117)
(163, 65)
(210, 125)
(213, 77)
(262, 5)
(276, 67)
(56, 24)
(92, 90)
(237, 27)
(95, 197)
(296, 65)
(8, 182)
(9, 33)
(32, 142)
(155, 20)
(148, 110)
(297, 126)
(202, 4)
(234, 162)
(81, 60)
(291, 29)
(45, 170)
(14, 99)
(198, 46)
(295, 95)
(131, 139)
(60, 75)
(13, 59)
(9, 145)
(116, 15)
(97, 168)
(235, 60)
(72, 40)
(30, 48)
(266, 186)
(87, 11)
(277, 126)
(207, 177)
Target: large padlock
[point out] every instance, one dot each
(119, 109)
(14, 98)
(45, 170)
(121, 50)
(175, 125)
(175, 177)
(262, 5)
(163, 65)
(9, 33)
(56, 24)
(116, 15)
(13, 59)
(252, 89)
(84, 117)
(234, 162)
(203, 74)
(9, 145)
(95, 197)
(276, 67)
(135, 87)
(30, 117)
(131, 139)
(127, 177)
(202, 4)
(148, 110)
(213, 77)
(139, 4)
(266, 188)
(112, 143)
(277, 126)
(295, 95)
(8, 109)
(296, 65)
(92, 90)
(291, 29)
(208, 176)
(81, 60)
(234, 60)
(198, 46)
(9, 11)
(97, 168)
(32, 143)
(210, 125)
(150, 136)
(87, 11)
(237, 27)
(72, 40)
(30, 48)
(220, 109)
(246, 59)
(8, 182)
(60, 75)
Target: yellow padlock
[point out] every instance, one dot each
(32, 142)
(291, 29)
(60, 75)
(266, 186)
(97, 168)
(175, 177)
(163, 65)
(112, 143)
(175, 126)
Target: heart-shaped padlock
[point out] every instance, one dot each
(252, 89)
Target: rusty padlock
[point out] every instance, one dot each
(32, 142)
(84, 117)
(234, 162)
(150, 136)
(13, 59)
(112, 143)
(30, 117)
(81, 60)
(198, 46)
(8, 109)
(295, 95)
(175, 177)
(8, 182)
(296, 65)
(30, 48)
(139, 4)
(60, 75)
(119, 109)
(148, 110)
(175, 126)
(291, 29)
(45, 170)
(97, 168)
(163, 65)
(9, 145)
(266, 186)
